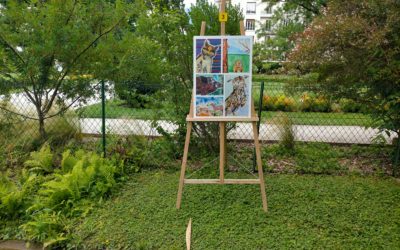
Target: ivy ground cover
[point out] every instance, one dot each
(305, 211)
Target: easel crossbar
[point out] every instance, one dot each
(218, 181)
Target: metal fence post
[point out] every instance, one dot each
(259, 122)
(103, 117)
(396, 157)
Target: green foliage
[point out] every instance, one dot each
(318, 158)
(286, 134)
(48, 205)
(45, 226)
(41, 161)
(204, 11)
(140, 72)
(17, 196)
(305, 211)
(53, 48)
(310, 102)
(138, 152)
(336, 45)
(11, 198)
(173, 30)
(91, 177)
(69, 160)
(289, 18)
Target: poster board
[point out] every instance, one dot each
(222, 74)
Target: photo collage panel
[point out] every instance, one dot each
(222, 76)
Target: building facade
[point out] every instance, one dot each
(257, 15)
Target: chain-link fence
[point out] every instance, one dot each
(300, 111)
(312, 117)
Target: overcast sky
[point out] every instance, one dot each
(188, 2)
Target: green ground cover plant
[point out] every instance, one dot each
(50, 198)
(345, 212)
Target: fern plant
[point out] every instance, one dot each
(48, 227)
(84, 177)
(15, 197)
(41, 161)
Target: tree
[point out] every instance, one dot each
(289, 18)
(53, 50)
(173, 30)
(354, 48)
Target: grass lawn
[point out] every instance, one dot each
(320, 118)
(305, 211)
(117, 109)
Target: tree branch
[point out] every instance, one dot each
(71, 13)
(8, 45)
(63, 109)
(95, 40)
(16, 113)
(50, 103)
(314, 11)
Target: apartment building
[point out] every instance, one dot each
(257, 14)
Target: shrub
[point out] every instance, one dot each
(270, 67)
(287, 133)
(48, 227)
(313, 103)
(321, 104)
(349, 106)
(269, 103)
(335, 107)
(136, 92)
(279, 103)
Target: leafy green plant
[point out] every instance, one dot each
(91, 176)
(17, 196)
(318, 158)
(47, 226)
(11, 198)
(287, 134)
(41, 161)
(84, 177)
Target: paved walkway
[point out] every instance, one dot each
(243, 131)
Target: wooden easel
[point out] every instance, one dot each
(222, 141)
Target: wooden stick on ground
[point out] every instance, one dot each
(189, 234)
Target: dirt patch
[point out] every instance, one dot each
(19, 245)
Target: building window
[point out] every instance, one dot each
(268, 25)
(250, 24)
(251, 8)
(286, 22)
(268, 10)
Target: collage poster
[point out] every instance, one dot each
(222, 76)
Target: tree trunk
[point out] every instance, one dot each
(42, 130)
(41, 118)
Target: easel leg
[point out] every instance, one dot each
(184, 162)
(222, 154)
(260, 169)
